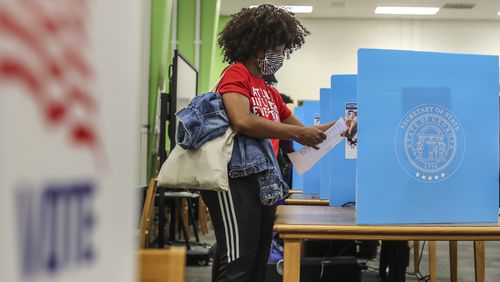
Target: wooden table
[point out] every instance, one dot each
(307, 200)
(296, 223)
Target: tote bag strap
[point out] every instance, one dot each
(216, 85)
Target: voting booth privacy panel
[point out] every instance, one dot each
(325, 96)
(343, 157)
(428, 129)
(311, 178)
(297, 179)
(68, 125)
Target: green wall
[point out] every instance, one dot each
(217, 64)
(160, 51)
(208, 36)
(186, 14)
(209, 24)
(160, 56)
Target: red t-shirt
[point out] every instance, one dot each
(265, 101)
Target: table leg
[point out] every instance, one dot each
(161, 218)
(479, 260)
(184, 212)
(416, 254)
(291, 271)
(453, 261)
(432, 260)
(202, 215)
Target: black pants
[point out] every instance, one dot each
(243, 230)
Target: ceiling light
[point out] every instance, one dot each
(294, 9)
(498, 13)
(406, 10)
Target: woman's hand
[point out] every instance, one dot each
(309, 136)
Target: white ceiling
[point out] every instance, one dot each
(483, 10)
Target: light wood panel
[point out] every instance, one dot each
(291, 263)
(306, 199)
(147, 212)
(322, 222)
(307, 202)
(162, 265)
(432, 261)
(479, 260)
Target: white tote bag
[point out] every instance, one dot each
(204, 168)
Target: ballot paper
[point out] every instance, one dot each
(307, 157)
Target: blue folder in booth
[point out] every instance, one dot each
(342, 168)
(428, 138)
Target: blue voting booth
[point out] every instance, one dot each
(311, 116)
(325, 186)
(428, 138)
(297, 179)
(342, 164)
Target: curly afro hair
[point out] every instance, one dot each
(260, 28)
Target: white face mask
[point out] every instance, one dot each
(271, 63)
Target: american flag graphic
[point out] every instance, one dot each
(44, 48)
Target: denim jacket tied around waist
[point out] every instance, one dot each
(205, 119)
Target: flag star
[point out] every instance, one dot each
(436, 177)
(417, 174)
(429, 178)
(423, 177)
(442, 174)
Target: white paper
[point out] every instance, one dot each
(307, 157)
